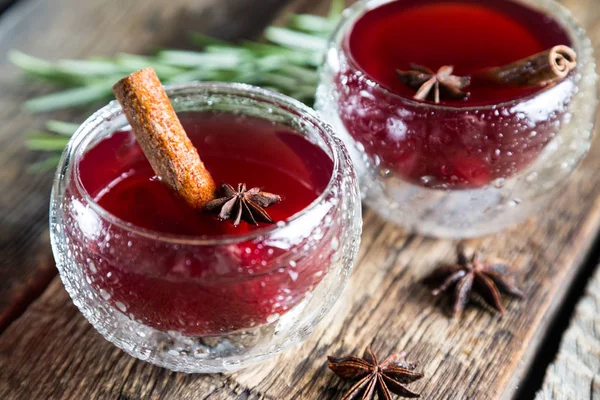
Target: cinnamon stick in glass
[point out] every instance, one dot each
(543, 68)
(163, 140)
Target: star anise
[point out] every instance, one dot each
(434, 85)
(472, 275)
(384, 379)
(242, 204)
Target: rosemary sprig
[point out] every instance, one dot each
(286, 61)
(290, 53)
(61, 127)
(46, 141)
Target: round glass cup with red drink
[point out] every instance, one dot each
(176, 286)
(458, 167)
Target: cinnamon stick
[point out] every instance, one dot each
(546, 67)
(162, 138)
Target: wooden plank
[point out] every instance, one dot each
(51, 352)
(575, 374)
(5, 4)
(76, 29)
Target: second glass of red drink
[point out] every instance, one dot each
(459, 157)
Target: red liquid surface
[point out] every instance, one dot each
(204, 290)
(451, 149)
(234, 150)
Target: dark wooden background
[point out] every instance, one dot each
(48, 351)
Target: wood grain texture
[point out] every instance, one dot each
(575, 374)
(52, 352)
(74, 29)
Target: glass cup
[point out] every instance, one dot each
(256, 295)
(513, 153)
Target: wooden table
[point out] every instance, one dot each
(48, 351)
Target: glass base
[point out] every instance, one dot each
(191, 354)
(194, 354)
(446, 214)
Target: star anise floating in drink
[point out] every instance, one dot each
(471, 275)
(544, 68)
(375, 378)
(243, 204)
(434, 85)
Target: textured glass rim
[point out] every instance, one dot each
(86, 133)
(562, 15)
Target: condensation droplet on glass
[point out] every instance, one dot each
(427, 179)
(104, 294)
(532, 177)
(335, 244)
(385, 173)
(272, 318)
(121, 306)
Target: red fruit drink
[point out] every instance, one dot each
(478, 139)
(204, 290)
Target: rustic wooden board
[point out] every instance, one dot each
(575, 374)
(51, 351)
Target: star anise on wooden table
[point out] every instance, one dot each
(375, 378)
(434, 86)
(470, 275)
(243, 204)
